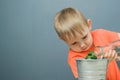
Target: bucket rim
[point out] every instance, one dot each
(90, 59)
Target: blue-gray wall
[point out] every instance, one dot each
(29, 46)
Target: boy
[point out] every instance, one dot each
(74, 29)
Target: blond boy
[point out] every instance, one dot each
(75, 30)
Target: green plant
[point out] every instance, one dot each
(91, 55)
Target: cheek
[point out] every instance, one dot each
(77, 49)
(89, 41)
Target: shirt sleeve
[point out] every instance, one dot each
(112, 36)
(72, 63)
(103, 37)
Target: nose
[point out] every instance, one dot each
(83, 46)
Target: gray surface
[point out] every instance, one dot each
(29, 47)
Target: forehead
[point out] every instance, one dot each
(76, 33)
(77, 37)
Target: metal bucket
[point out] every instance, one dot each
(92, 69)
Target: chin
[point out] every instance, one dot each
(83, 50)
(86, 49)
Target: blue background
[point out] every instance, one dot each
(29, 46)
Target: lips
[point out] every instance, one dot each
(84, 48)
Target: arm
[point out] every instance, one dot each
(119, 35)
(112, 54)
(118, 57)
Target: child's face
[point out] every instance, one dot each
(81, 42)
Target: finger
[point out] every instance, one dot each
(108, 54)
(105, 55)
(112, 55)
(98, 54)
(118, 58)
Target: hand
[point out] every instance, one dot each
(110, 55)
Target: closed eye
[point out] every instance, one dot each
(85, 37)
(74, 43)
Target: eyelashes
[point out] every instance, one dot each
(74, 43)
(85, 37)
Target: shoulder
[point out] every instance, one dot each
(104, 36)
(104, 32)
(100, 31)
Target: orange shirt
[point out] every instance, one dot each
(101, 37)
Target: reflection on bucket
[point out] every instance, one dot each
(92, 69)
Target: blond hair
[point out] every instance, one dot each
(69, 21)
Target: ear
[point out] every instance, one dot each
(89, 23)
(60, 38)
